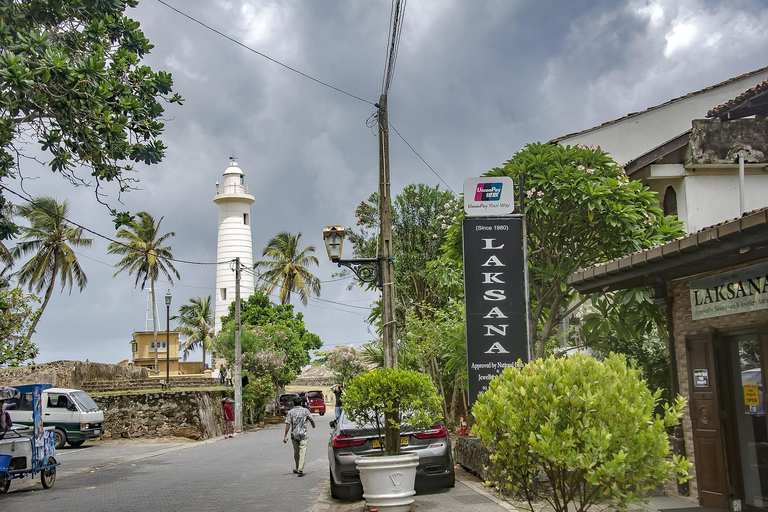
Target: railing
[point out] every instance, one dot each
(233, 189)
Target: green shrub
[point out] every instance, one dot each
(588, 426)
(256, 395)
(389, 399)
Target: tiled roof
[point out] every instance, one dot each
(758, 90)
(749, 221)
(675, 100)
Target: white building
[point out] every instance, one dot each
(653, 145)
(234, 241)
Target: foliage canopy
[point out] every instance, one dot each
(74, 85)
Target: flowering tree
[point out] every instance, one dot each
(581, 209)
(346, 362)
(266, 351)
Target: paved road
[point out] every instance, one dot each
(251, 472)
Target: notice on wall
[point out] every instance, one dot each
(751, 394)
(496, 299)
(738, 291)
(701, 378)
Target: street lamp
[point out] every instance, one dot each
(368, 270)
(168, 339)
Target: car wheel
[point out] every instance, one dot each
(452, 479)
(334, 488)
(76, 444)
(322, 414)
(60, 439)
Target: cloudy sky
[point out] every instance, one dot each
(474, 82)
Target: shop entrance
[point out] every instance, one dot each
(748, 355)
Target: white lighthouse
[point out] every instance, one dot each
(234, 200)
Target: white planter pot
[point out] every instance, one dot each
(388, 481)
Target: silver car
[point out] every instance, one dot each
(349, 440)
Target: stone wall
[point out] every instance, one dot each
(69, 374)
(192, 414)
(473, 456)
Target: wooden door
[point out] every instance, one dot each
(705, 417)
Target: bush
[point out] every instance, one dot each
(588, 426)
(403, 397)
(256, 395)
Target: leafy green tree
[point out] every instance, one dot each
(630, 323)
(256, 395)
(420, 215)
(145, 255)
(581, 209)
(16, 316)
(345, 361)
(588, 425)
(258, 311)
(73, 83)
(50, 239)
(196, 322)
(287, 268)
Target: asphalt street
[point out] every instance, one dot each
(251, 472)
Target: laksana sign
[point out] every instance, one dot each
(496, 299)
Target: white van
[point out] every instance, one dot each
(72, 412)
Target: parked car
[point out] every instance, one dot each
(73, 413)
(285, 402)
(316, 402)
(350, 440)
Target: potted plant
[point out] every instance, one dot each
(389, 400)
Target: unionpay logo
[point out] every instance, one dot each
(488, 191)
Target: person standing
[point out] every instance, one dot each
(338, 390)
(229, 418)
(296, 423)
(222, 375)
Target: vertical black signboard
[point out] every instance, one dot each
(496, 299)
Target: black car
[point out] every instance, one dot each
(349, 440)
(285, 402)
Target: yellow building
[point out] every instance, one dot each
(143, 352)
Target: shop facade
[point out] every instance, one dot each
(714, 285)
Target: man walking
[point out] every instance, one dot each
(296, 423)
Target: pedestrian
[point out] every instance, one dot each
(5, 416)
(296, 423)
(229, 418)
(229, 377)
(304, 399)
(338, 390)
(222, 375)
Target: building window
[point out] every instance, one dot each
(670, 201)
(241, 180)
(245, 219)
(223, 293)
(160, 345)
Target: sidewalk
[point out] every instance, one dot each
(471, 494)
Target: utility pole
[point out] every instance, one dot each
(389, 333)
(238, 349)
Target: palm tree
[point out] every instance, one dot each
(287, 268)
(50, 238)
(196, 323)
(143, 253)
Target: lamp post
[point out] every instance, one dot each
(168, 339)
(368, 270)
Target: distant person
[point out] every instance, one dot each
(229, 418)
(304, 400)
(296, 423)
(229, 377)
(338, 391)
(222, 375)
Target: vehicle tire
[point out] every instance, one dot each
(334, 489)
(5, 483)
(48, 475)
(322, 414)
(60, 438)
(75, 444)
(452, 479)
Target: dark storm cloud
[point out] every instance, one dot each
(474, 82)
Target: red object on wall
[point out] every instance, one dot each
(463, 431)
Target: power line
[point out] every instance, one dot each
(422, 159)
(225, 36)
(396, 15)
